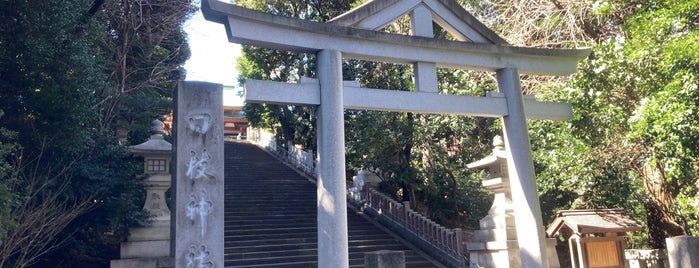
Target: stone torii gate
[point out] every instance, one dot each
(356, 34)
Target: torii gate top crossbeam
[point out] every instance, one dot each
(333, 41)
(244, 26)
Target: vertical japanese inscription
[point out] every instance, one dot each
(198, 209)
(199, 123)
(198, 257)
(199, 184)
(198, 166)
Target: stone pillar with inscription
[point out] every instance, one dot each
(198, 188)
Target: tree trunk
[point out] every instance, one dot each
(659, 215)
(661, 224)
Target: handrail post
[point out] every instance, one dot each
(459, 241)
(404, 216)
(447, 241)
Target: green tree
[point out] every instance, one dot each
(634, 100)
(71, 74)
(407, 150)
(422, 158)
(293, 124)
(8, 149)
(383, 141)
(144, 47)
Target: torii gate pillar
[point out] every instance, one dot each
(522, 179)
(333, 249)
(356, 34)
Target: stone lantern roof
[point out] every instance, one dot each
(155, 144)
(498, 156)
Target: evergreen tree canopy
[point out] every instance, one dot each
(632, 142)
(73, 74)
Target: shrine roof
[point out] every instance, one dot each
(593, 221)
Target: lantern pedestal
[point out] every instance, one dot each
(496, 242)
(149, 246)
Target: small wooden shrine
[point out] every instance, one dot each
(595, 237)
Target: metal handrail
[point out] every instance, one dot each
(426, 233)
(448, 243)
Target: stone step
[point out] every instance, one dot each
(254, 206)
(149, 233)
(275, 259)
(235, 220)
(359, 263)
(268, 230)
(282, 216)
(302, 264)
(311, 257)
(238, 186)
(271, 241)
(358, 235)
(284, 228)
(275, 247)
(271, 213)
(145, 249)
(238, 221)
(268, 253)
(270, 217)
(370, 248)
(302, 240)
(260, 196)
(409, 255)
(356, 251)
(271, 236)
(282, 219)
(281, 230)
(255, 196)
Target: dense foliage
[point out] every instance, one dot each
(290, 123)
(632, 142)
(408, 151)
(73, 76)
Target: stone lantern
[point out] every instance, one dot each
(149, 246)
(496, 242)
(156, 153)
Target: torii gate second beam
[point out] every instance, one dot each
(307, 93)
(331, 42)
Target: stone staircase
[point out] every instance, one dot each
(270, 217)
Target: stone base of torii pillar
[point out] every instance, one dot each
(496, 242)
